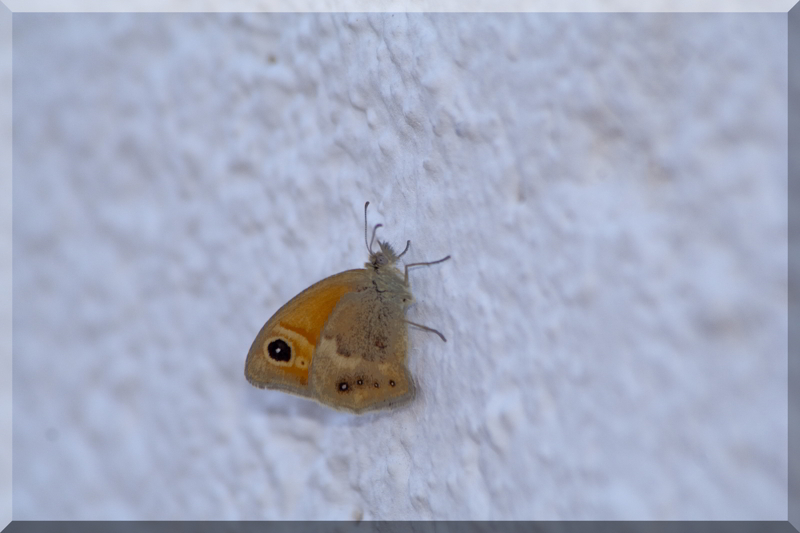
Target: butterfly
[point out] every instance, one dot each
(343, 341)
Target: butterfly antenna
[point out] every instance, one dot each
(373, 237)
(369, 244)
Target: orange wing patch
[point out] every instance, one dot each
(298, 325)
(310, 337)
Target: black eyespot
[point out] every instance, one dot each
(376, 385)
(391, 383)
(342, 386)
(278, 350)
(360, 382)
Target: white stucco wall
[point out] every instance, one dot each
(612, 189)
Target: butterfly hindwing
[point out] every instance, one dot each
(360, 362)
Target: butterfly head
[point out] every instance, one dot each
(386, 256)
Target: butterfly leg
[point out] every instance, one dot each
(408, 243)
(422, 264)
(426, 328)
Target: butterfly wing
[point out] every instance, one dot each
(281, 354)
(360, 359)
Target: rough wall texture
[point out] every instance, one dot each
(612, 189)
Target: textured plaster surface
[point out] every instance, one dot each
(612, 189)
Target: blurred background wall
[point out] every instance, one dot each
(612, 189)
